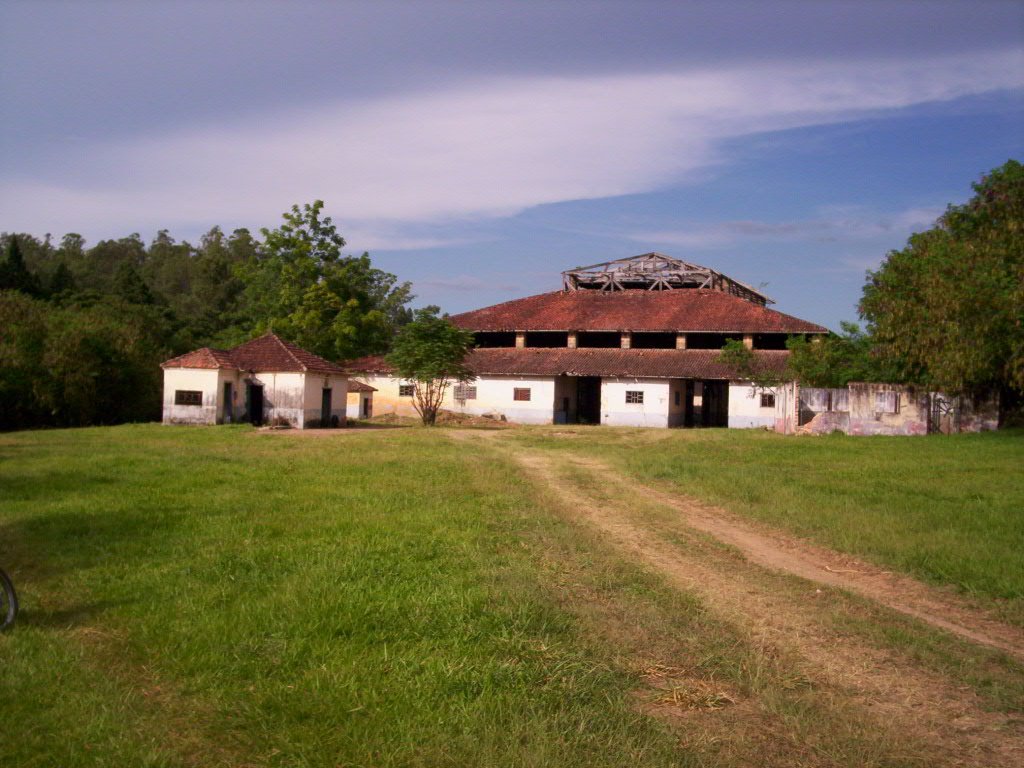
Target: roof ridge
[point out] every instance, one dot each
(287, 348)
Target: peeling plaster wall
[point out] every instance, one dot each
(652, 412)
(386, 399)
(191, 380)
(745, 411)
(354, 404)
(867, 418)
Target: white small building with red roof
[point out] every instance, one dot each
(633, 342)
(264, 381)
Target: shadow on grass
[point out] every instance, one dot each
(69, 617)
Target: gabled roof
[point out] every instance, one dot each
(269, 353)
(354, 385)
(201, 358)
(677, 311)
(628, 363)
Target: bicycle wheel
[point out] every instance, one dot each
(8, 602)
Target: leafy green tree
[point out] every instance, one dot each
(129, 285)
(947, 311)
(431, 352)
(301, 285)
(22, 374)
(62, 282)
(837, 359)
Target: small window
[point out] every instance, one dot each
(187, 397)
(406, 390)
(634, 396)
(887, 402)
(464, 392)
(521, 394)
(767, 400)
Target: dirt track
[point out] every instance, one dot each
(900, 695)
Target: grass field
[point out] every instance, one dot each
(949, 509)
(223, 597)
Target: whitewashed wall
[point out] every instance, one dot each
(354, 407)
(652, 412)
(745, 409)
(495, 397)
(192, 380)
(314, 393)
(386, 399)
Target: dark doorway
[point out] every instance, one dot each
(688, 408)
(254, 403)
(715, 404)
(366, 407)
(588, 400)
(229, 406)
(325, 408)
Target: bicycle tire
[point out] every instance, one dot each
(8, 601)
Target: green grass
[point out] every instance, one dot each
(948, 509)
(219, 597)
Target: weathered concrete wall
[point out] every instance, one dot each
(313, 399)
(190, 380)
(887, 409)
(826, 422)
(745, 411)
(354, 405)
(495, 397)
(652, 412)
(386, 399)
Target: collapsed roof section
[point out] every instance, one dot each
(656, 272)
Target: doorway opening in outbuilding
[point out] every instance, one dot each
(228, 411)
(325, 408)
(588, 400)
(254, 403)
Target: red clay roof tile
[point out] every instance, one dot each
(682, 310)
(269, 352)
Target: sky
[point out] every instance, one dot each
(478, 149)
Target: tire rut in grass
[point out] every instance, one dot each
(893, 693)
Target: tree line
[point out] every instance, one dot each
(945, 312)
(83, 330)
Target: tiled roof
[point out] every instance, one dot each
(272, 353)
(641, 363)
(201, 358)
(269, 352)
(368, 364)
(354, 385)
(681, 310)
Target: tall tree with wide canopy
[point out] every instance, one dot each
(948, 309)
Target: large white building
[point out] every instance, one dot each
(634, 342)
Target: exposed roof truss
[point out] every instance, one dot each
(656, 272)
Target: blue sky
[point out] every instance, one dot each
(479, 149)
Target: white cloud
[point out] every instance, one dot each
(833, 224)
(490, 148)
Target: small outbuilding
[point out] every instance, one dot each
(264, 381)
(360, 399)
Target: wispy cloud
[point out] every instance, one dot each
(852, 223)
(486, 149)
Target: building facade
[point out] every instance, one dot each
(635, 342)
(264, 381)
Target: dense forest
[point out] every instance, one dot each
(83, 330)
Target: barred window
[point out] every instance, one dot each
(464, 392)
(406, 390)
(634, 396)
(521, 394)
(767, 400)
(187, 397)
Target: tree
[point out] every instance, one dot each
(431, 352)
(837, 359)
(14, 275)
(301, 285)
(947, 311)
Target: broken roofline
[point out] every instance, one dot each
(656, 272)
